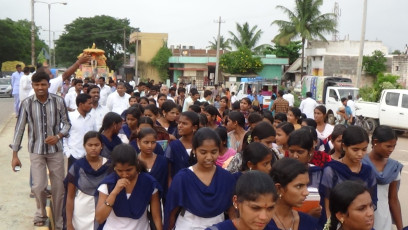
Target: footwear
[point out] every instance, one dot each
(31, 195)
(39, 223)
(48, 192)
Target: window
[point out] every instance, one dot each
(392, 99)
(404, 103)
(397, 69)
(333, 94)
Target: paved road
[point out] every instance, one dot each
(6, 110)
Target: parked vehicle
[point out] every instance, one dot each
(328, 90)
(5, 87)
(250, 85)
(391, 110)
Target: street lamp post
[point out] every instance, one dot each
(49, 24)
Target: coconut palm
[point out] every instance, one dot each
(246, 37)
(224, 44)
(305, 22)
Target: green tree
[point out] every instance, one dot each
(224, 44)
(290, 51)
(305, 22)
(375, 64)
(15, 40)
(240, 62)
(396, 52)
(161, 62)
(105, 31)
(246, 37)
(384, 81)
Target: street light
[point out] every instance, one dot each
(49, 21)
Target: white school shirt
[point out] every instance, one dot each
(190, 221)
(25, 87)
(98, 114)
(116, 103)
(70, 99)
(55, 83)
(290, 98)
(114, 222)
(74, 143)
(307, 107)
(103, 95)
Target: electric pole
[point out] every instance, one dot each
(360, 56)
(217, 63)
(32, 35)
(124, 46)
(136, 58)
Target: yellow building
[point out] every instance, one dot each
(148, 45)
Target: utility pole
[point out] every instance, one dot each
(49, 33)
(217, 63)
(136, 58)
(124, 46)
(32, 35)
(53, 49)
(360, 57)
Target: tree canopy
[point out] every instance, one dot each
(105, 31)
(15, 40)
(375, 64)
(161, 61)
(246, 36)
(305, 22)
(290, 51)
(224, 44)
(240, 62)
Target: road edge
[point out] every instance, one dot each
(5, 123)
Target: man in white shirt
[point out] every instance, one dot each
(233, 97)
(105, 91)
(81, 123)
(165, 90)
(350, 103)
(207, 96)
(308, 105)
(289, 97)
(191, 99)
(15, 84)
(98, 111)
(70, 98)
(25, 84)
(118, 101)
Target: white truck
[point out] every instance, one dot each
(250, 85)
(328, 90)
(391, 110)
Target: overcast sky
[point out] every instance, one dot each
(192, 23)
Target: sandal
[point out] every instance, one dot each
(39, 223)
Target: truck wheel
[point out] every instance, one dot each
(370, 125)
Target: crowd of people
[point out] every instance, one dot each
(149, 156)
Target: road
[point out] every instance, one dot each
(6, 110)
(17, 209)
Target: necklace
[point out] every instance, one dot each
(284, 227)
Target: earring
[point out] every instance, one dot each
(341, 220)
(280, 196)
(250, 169)
(235, 206)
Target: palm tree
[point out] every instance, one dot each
(305, 22)
(224, 44)
(246, 37)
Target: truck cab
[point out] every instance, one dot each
(328, 90)
(334, 94)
